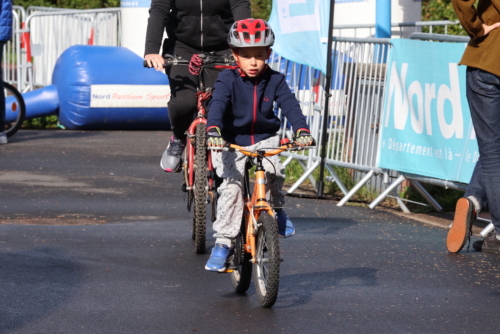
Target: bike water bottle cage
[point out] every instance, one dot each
(250, 32)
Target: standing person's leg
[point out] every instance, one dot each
(483, 94)
(181, 112)
(3, 136)
(475, 189)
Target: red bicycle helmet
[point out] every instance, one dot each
(250, 32)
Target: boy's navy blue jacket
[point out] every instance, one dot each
(243, 107)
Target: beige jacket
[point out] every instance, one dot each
(481, 52)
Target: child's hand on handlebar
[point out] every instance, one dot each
(214, 137)
(303, 138)
(155, 60)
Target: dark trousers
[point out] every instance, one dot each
(483, 96)
(182, 107)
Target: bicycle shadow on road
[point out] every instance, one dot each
(34, 283)
(299, 289)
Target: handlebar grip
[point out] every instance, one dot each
(168, 62)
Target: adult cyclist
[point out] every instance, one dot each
(193, 27)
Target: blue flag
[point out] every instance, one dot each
(301, 29)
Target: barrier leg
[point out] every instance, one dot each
(310, 177)
(356, 188)
(487, 230)
(334, 177)
(400, 202)
(303, 177)
(386, 192)
(422, 191)
(287, 161)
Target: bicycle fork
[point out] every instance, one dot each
(254, 206)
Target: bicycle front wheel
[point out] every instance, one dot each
(15, 110)
(200, 189)
(267, 261)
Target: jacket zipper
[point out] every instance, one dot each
(252, 136)
(201, 19)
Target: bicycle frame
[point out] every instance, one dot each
(254, 205)
(257, 202)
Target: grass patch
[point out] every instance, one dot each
(294, 171)
(447, 198)
(45, 122)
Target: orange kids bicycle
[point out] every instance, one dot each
(198, 174)
(256, 247)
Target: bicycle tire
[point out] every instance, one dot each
(15, 110)
(266, 269)
(200, 189)
(241, 276)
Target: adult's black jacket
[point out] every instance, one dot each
(199, 24)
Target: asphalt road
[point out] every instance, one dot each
(95, 238)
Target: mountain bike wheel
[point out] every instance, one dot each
(266, 269)
(15, 110)
(241, 276)
(200, 189)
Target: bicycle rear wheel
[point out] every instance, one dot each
(200, 189)
(267, 262)
(241, 276)
(15, 110)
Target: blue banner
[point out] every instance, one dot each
(301, 29)
(426, 124)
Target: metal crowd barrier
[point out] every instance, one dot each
(49, 32)
(399, 30)
(415, 180)
(12, 51)
(358, 82)
(354, 112)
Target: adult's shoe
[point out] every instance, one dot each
(460, 230)
(490, 244)
(3, 138)
(171, 159)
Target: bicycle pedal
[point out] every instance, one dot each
(228, 270)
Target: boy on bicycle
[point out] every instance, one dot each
(242, 112)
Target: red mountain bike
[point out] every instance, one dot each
(199, 179)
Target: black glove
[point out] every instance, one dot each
(214, 137)
(303, 137)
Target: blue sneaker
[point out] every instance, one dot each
(219, 257)
(285, 226)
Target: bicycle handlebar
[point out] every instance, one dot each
(273, 151)
(223, 60)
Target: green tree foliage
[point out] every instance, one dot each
(261, 9)
(438, 10)
(74, 4)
